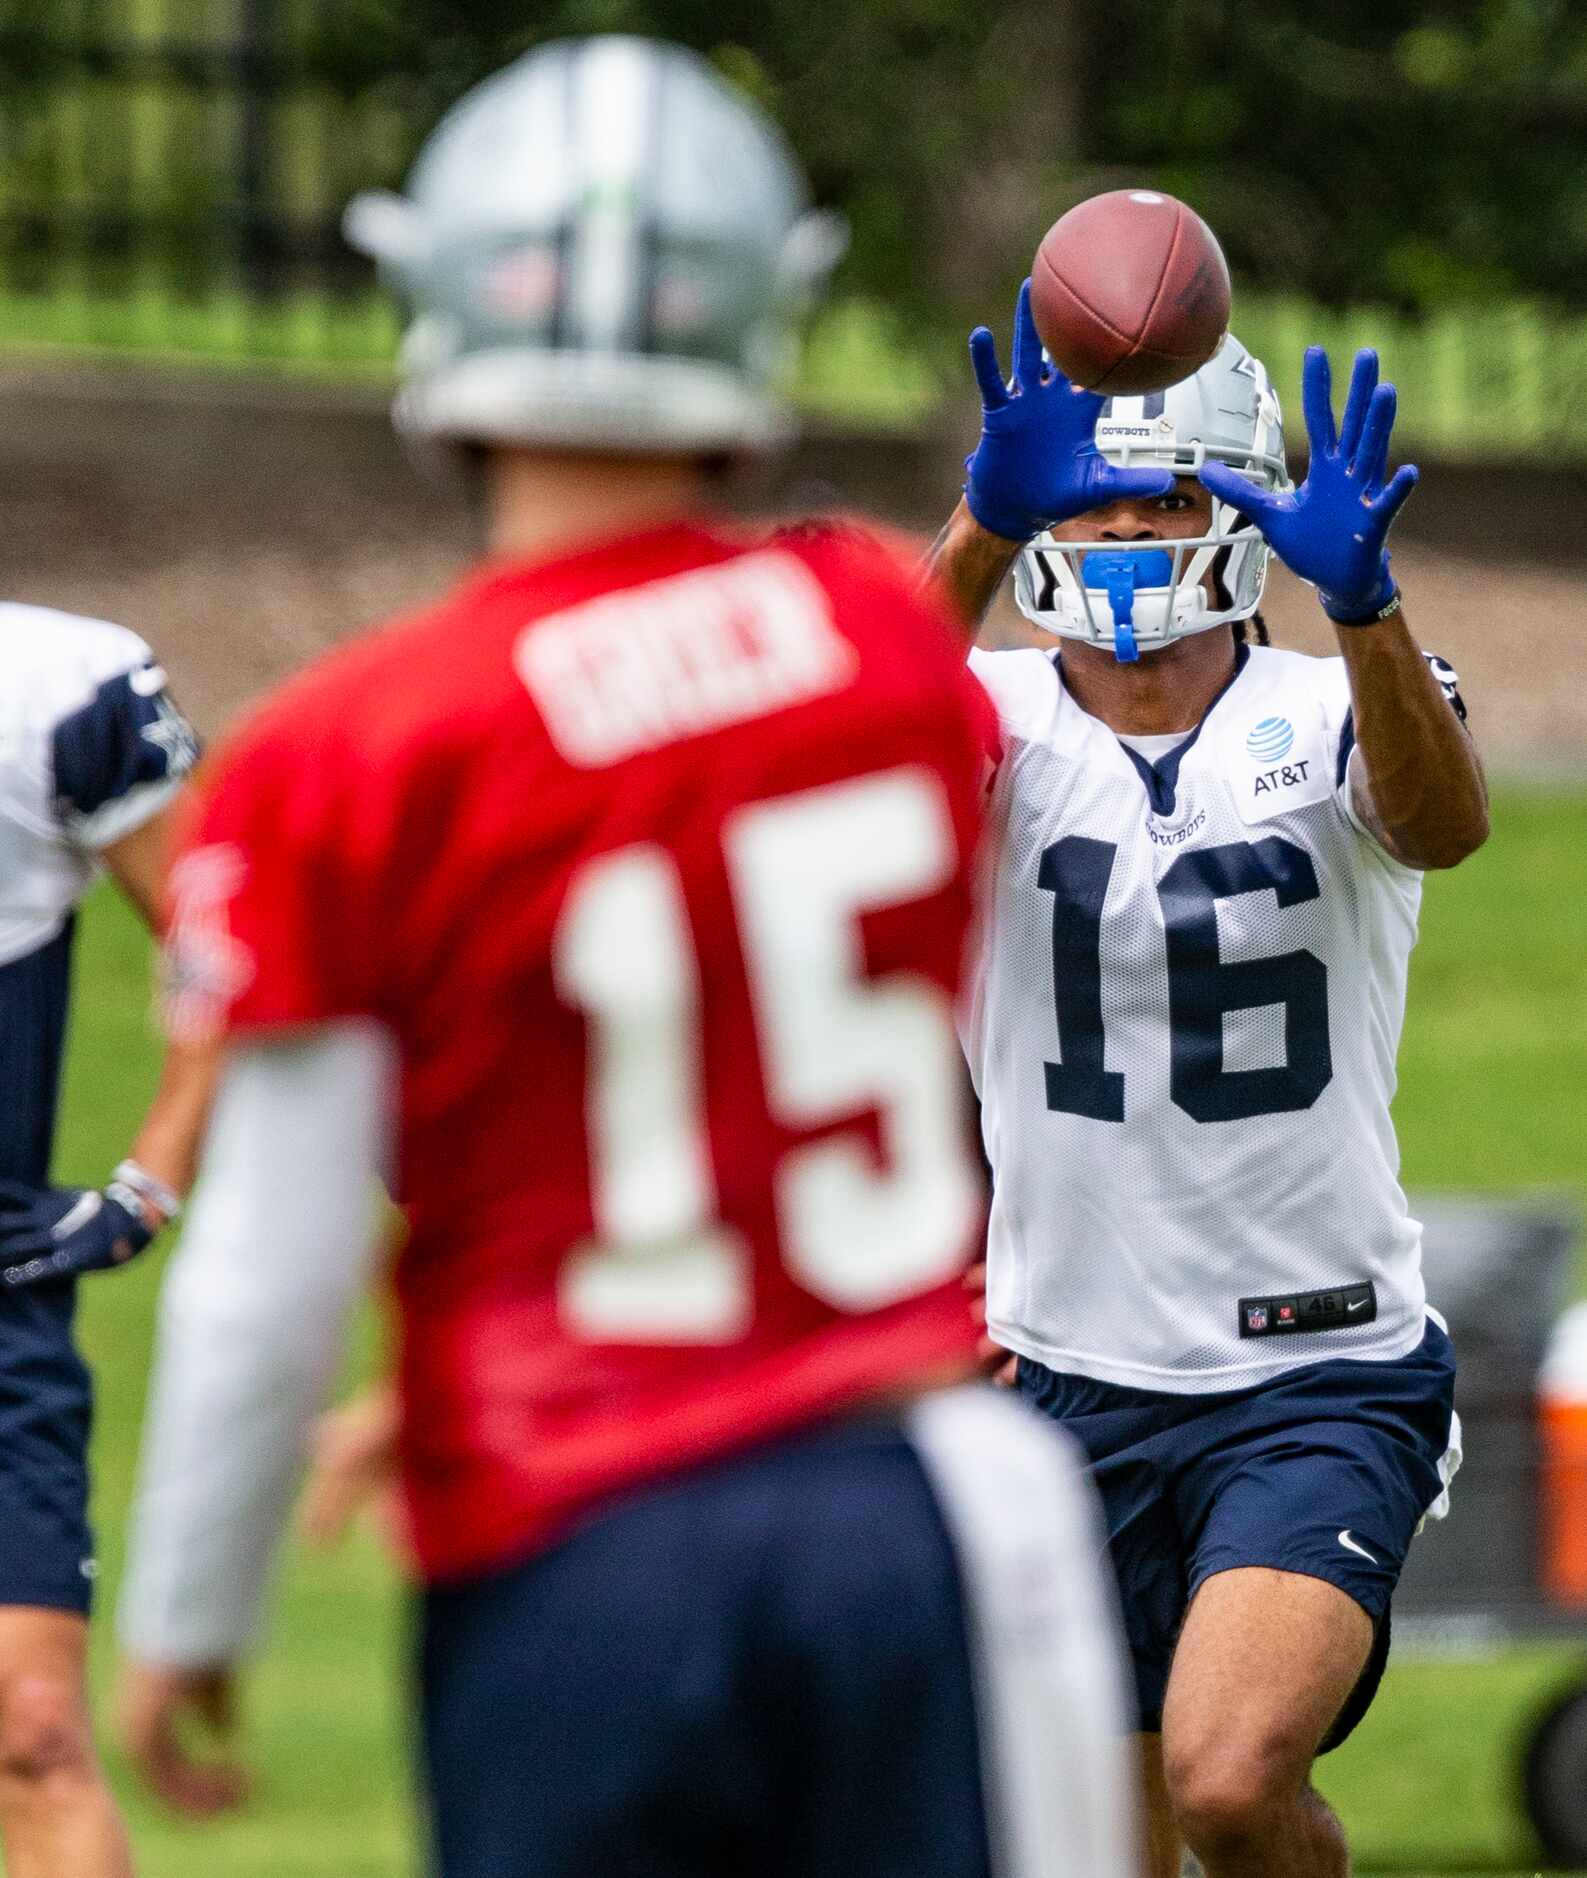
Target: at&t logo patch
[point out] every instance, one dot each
(1273, 738)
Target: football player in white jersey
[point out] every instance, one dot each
(92, 754)
(1184, 1041)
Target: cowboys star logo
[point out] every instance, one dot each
(170, 731)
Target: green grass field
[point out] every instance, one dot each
(1491, 1097)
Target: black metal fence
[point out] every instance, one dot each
(183, 163)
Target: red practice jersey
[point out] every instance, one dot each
(656, 861)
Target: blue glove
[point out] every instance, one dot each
(51, 1233)
(1037, 462)
(1332, 530)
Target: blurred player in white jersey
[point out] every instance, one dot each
(92, 753)
(1183, 1036)
(617, 908)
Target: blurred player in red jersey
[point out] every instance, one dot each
(616, 910)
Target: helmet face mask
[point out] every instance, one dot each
(605, 247)
(1138, 596)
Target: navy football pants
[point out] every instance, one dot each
(1325, 1470)
(759, 1668)
(46, 1548)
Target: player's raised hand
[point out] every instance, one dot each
(1333, 530)
(51, 1233)
(1037, 462)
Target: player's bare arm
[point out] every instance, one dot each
(167, 1145)
(137, 862)
(1036, 464)
(967, 564)
(169, 1141)
(1416, 780)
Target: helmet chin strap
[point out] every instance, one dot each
(1119, 574)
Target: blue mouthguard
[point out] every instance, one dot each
(1120, 573)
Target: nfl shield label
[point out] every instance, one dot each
(1342, 1307)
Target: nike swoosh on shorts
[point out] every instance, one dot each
(1351, 1545)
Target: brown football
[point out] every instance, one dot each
(1130, 291)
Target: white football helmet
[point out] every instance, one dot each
(605, 247)
(1137, 596)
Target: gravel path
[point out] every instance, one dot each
(241, 531)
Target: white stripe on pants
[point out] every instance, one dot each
(1056, 1749)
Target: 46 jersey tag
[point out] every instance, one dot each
(1340, 1308)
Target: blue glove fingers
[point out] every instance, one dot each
(1393, 499)
(988, 373)
(1237, 490)
(1140, 485)
(1372, 454)
(1027, 343)
(1078, 410)
(1316, 392)
(1363, 382)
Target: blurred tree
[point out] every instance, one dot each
(935, 125)
(1406, 152)
(1414, 151)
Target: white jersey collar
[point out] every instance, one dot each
(1161, 779)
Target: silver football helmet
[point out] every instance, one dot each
(605, 247)
(1136, 596)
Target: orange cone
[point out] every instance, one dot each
(1562, 1414)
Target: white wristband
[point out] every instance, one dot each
(152, 1193)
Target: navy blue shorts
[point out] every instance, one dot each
(46, 1549)
(760, 1666)
(1326, 1470)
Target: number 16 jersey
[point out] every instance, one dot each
(1183, 1033)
